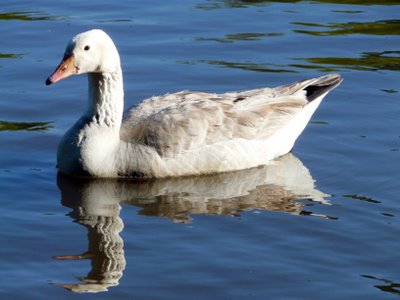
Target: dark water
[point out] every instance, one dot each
(322, 223)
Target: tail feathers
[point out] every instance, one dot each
(321, 85)
(312, 88)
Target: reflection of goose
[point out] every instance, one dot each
(271, 187)
(186, 133)
(96, 205)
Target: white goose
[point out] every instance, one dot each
(186, 133)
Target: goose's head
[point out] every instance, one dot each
(92, 51)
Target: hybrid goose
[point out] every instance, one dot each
(181, 134)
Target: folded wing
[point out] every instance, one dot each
(184, 121)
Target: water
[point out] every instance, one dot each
(322, 223)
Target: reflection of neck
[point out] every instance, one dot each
(107, 249)
(106, 98)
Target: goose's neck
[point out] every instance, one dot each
(106, 99)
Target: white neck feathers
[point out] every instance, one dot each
(106, 98)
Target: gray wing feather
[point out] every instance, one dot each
(186, 122)
(180, 122)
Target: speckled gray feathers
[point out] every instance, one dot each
(180, 122)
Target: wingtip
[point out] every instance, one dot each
(322, 85)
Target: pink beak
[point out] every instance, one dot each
(65, 69)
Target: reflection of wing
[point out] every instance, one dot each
(184, 121)
(271, 187)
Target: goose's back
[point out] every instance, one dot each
(185, 121)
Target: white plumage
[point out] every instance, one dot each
(186, 133)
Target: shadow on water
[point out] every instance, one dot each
(28, 126)
(217, 4)
(95, 204)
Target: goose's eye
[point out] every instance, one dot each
(86, 48)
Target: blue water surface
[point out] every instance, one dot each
(321, 223)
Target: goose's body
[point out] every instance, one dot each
(186, 133)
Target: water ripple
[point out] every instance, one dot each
(381, 27)
(247, 36)
(368, 61)
(28, 126)
(28, 16)
(247, 66)
(218, 4)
